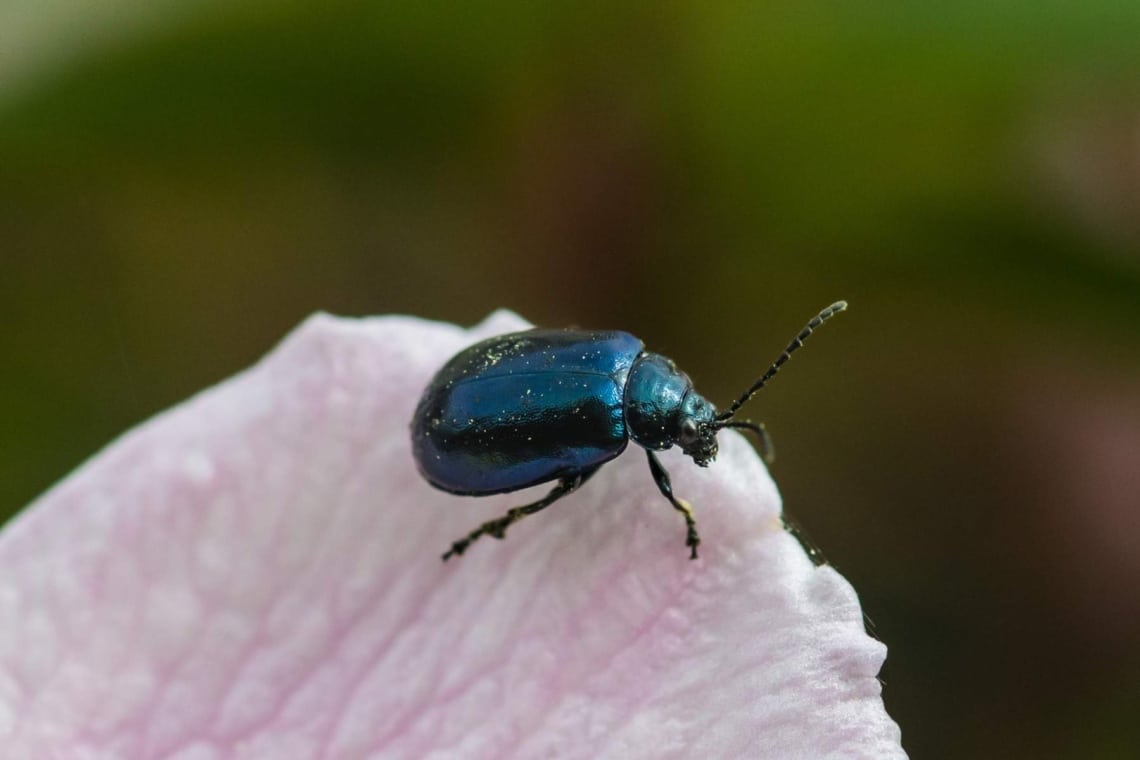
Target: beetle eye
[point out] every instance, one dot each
(688, 432)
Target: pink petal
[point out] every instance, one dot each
(256, 573)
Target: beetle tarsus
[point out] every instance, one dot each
(692, 538)
(456, 549)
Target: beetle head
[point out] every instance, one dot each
(697, 429)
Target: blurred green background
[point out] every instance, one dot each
(183, 181)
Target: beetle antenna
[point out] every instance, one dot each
(798, 341)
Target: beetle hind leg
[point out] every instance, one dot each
(497, 528)
(661, 478)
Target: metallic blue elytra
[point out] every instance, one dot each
(530, 407)
(524, 408)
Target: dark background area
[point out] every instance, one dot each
(179, 188)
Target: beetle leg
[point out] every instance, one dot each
(661, 478)
(498, 527)
(767, 448)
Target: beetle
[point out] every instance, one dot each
(545, 405)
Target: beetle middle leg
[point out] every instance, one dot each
(661, 478)
(498, 527)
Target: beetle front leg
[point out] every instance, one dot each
(498, 527)
(661, 478)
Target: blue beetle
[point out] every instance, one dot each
(529, 407)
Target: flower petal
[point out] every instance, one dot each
(256, 573)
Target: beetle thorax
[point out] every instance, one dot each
(662, 409)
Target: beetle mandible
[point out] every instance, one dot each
(529, 407)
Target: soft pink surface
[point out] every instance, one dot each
(256, 574)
